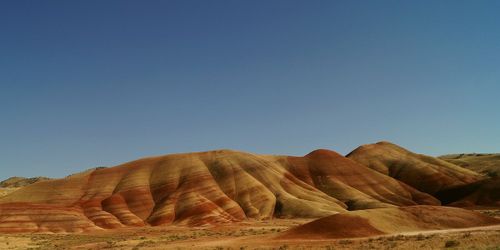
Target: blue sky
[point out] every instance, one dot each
(92, 83)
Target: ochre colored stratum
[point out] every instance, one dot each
(225, 186)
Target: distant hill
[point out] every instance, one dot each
(425, 173)
(486, 164)
(16, 182)
(451, 183)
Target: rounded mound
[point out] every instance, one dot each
(380, 221)
(425, 173)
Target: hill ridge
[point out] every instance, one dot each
(204, 188)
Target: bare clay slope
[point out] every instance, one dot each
(482, 193)
(425, 173)
(371, 222)
(203, 188)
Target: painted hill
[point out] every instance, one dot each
(371, 222)
(486, 164)
(203, 188)
(425, 173)
(482, 193)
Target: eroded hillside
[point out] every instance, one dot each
(204, 188)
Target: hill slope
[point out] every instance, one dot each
(482, 193)
(425, 173)
(486, 164)
(13, 183)
(203, 188)
(373, 222)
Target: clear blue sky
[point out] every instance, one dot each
(90, 83)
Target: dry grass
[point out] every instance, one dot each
(486, 164)
(6, 191)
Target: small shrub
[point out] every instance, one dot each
(283, 247)
(391, 238)
(451, 243)
(344, 242)
(492, 174)
(145, 244)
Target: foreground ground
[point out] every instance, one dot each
(251, 235)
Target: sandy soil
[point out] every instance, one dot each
(249, 235)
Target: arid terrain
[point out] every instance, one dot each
(379, 196)
(14, 183)
(250, 235)
(487, 164)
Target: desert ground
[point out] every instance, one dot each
(250, 235)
